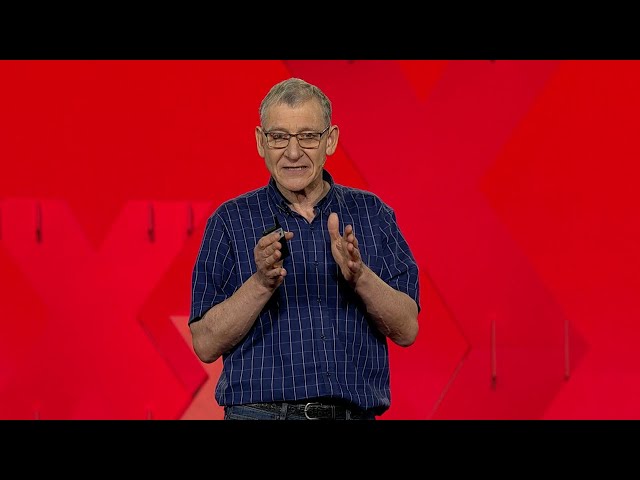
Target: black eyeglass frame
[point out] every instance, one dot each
(287, 136)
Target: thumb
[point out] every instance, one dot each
(332, 225)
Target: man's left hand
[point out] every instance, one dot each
(345, 250)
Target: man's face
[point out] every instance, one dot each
(294, 168)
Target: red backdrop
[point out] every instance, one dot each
(515, 183)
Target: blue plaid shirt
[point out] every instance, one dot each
(312, 339)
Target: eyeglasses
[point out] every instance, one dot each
(305, 139)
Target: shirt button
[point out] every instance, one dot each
(319, 301)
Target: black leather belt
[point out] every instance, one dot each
(312, 410)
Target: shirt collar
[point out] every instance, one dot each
(283, 204)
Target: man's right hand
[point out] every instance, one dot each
(267, 255)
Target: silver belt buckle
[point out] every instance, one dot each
(306, 407)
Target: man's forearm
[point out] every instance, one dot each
(394, 313)
(224, 325)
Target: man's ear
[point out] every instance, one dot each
(332, 139)
(260, 141)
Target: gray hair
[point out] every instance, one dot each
(294, 92)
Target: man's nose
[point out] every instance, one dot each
(294, 150)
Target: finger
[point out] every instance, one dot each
(274, 273)
(264, 242)
(354, 252)
(348, 230)
(270, 248)
(269, 239)
(268, 251)
(332, 226)
(271, 261)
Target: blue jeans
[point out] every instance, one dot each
(283, 412)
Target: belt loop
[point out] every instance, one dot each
(347, 414)
(283, 411)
